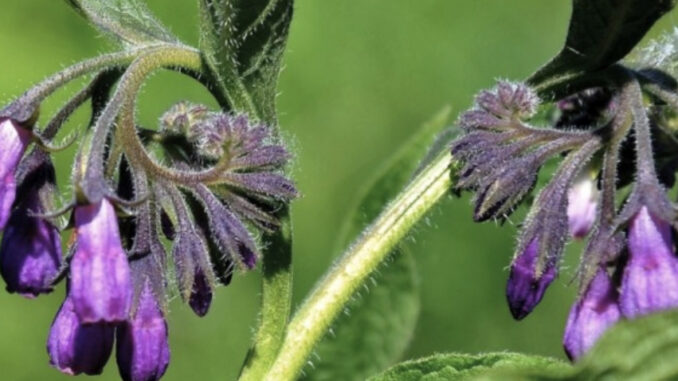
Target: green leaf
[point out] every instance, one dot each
(489, 366)
(380, 322)
(641, 349)
(129, 21)
(242, 42)
(601, 33)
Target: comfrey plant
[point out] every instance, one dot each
(179, 208)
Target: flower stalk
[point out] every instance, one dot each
(330, 296)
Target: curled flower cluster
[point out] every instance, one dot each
(208, 182)
(629, 267)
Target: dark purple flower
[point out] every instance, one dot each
(101, 286)
(76, 348)
(143, 352)
(30, 253)
(201, 295)
(13, 142)
(650, 280)
(595, 312)
(525, 287)
(581, 207)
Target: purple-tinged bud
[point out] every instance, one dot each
(591, 316)
(13, 142)
(143, 351)
(76, 348)
(201, 295)
(582, 202)
(30, 253)
(101, 286)
(650, 280)
(525, 288)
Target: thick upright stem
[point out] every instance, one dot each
(276, 302)
(328, 299)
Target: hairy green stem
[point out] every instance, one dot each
(359, 262)
(276, 302)
(24, 107)
(123, 102)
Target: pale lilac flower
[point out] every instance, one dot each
(581, 207)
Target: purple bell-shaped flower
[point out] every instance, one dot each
(650, 280)
(595, 312)
(101, 286)
(143, 351)
(76, 348)
(30, 253)
(13, 142)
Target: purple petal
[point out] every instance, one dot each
(591, 316)
(75, 348)
(13, 143)
(101, 288)
(30, 253)
(525, 289)
(143, 351)
(650, 280)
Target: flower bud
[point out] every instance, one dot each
(525, 287)
(13, 142)
(30, 253)
(101, 286)
(143, 352)
(650, 280)
(582, 201)
(201, 295)
(76, 348)
(594, 313)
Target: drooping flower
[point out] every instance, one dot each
(101, 287)
(650, 280)
(201, 295)
(591, 316)
(13, 142)
(525, 287)
(581, 207)
(76, 348)
(30, 253)
(143, 351)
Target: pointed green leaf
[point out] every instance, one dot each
(639, 349)
(380, 321)
(601, 33)
(489, 366)
(129, 21)
(243, 42)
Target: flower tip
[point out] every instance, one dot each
(524, 289)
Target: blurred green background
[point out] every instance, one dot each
(359, 78)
